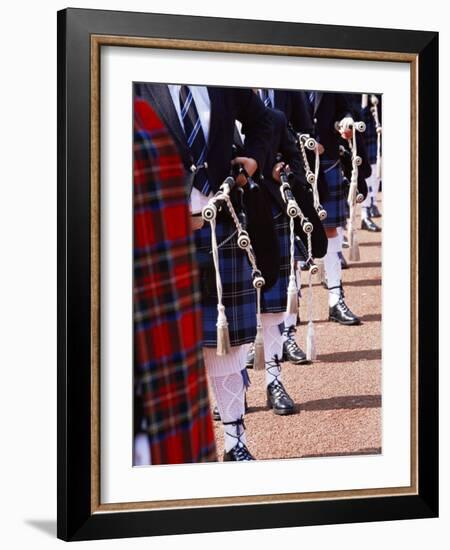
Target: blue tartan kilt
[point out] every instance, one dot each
(370, 136)
(274, 300)
(371, 147)
(239, 296)
(336, 203)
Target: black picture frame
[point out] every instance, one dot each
(76, 519)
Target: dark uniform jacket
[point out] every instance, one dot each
(294, 105)
(227, 106)
(282, 142)
(328, 108)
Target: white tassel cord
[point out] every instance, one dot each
(374, 111)
(292, 291)
(258, 283)
(310, 335)
(259, 363)
(312, 177)
(223, 337)
(351, 200)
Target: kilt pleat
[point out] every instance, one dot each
(370, 135)
(274, 300)
(336, 203)
(239, 296)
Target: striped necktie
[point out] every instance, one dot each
(266, 98)
(195, 138)
(311, 99)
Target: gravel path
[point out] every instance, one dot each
(338, 397)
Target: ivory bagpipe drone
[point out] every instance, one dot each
(354, 196)
(222, 200)
(293, 210)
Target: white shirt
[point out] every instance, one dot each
(203, 104)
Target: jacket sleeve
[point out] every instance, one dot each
(256, 124)
(291, 154)
(300, 118)
(343, 106)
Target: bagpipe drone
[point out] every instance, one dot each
(354, 196)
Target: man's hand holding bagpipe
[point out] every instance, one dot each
(247, 167)
(276, 170)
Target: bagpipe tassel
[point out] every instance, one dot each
(292, 296)
(292, 291)
(311, 354)
(379, 152)
(354, 247)
(223, 336)
(259, 363)
(320, 270)
(379, 167)
(259, 349)
(310, 335)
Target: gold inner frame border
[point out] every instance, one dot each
(97, 41)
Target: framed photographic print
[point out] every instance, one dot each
(247, 271)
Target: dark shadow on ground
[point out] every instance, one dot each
(365, 451)
(370, 317)
(360, 265)
(369, 243)
(350, 356)
(343, 402)
(364, 282)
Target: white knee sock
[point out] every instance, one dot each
(333, 269)
(141, 451)
(273, 345)
(375, 184)
(290, 320)
(227, 383)
(365, 210)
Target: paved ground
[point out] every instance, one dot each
(338, 397)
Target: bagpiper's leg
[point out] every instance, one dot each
(341, 233)
(367, 205)
(374, 212)
(228, 382)
(291, 350)
(277, 397)
(338, 309)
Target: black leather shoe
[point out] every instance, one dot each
(250, 361)
(374, 212)
(369, 225)
(340, 313)
(291, 351)
(278, 399)
(344, 264)
(216, 414)
(239, 453)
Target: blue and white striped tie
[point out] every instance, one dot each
(195, 138)
(266, 98)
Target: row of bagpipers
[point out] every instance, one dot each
(273, 178)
